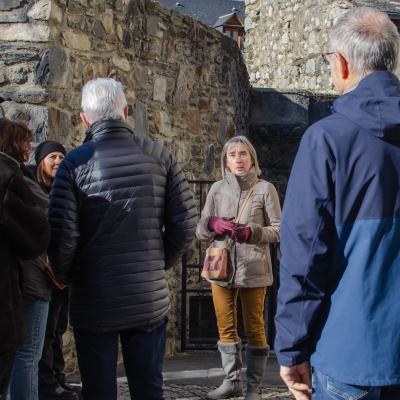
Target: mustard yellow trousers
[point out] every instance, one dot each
(225, 305)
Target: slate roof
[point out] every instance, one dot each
(206, 11)
(224, 18)
(391, 7)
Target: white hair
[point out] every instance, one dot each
(103, 98)
(367, 39)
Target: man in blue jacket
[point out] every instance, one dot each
(338, 303)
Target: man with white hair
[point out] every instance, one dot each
(338, 302)
(121, 212)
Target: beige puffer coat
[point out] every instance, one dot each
(251, 261)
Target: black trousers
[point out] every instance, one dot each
(51, 365)
(143, 354)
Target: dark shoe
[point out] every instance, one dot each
(58, 393)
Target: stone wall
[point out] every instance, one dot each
(277, 122)
(284, 40)
(186, 84)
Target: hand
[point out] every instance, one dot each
(221, 226)
(242, 234)
(298, 380)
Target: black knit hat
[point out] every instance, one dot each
(47, 147)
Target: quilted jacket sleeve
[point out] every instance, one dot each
(63, 218)
(307, 234)
(180, 214)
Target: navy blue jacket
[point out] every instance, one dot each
(338, 303)
(121, 212)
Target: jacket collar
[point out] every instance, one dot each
(107, 126)
(241, 183)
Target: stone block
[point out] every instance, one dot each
(60, 124)
(160, 89)
(6, 5)
(153, 28)
(122, 63)
(26, 95)
(98, 30)
(30, 32)
(56, 13)
(193, 121)
(163, 123)
(40, 10)
(107, 19)
(76, 40)
(54, 69)
(36, 117)
(18, 15)
(210, 160)
(311, 66)
(19, 75)
(141, 121)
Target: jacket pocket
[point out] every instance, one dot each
(343, 391)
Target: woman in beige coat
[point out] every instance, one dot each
(251, 270)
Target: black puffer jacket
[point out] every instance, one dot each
(24, 234)
(121, 211)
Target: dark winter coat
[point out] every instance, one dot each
(121, 212)
(24, 234)
(338, 302)
(36, 284)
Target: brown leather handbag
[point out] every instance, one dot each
(217, 266)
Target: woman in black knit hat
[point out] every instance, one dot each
(52, 385)
(48, 157)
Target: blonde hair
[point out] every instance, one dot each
(44, 180)
(247, 143)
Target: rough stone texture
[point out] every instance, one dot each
(284, 40)
(27, 32)
(186, 84)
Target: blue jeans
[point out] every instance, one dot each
(326, 388)
(24, 379)
(143, 354)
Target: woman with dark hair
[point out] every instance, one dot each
(242, 213)
(52, 384)
(24, 234)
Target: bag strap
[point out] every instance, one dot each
(251, 190)
(50, 274)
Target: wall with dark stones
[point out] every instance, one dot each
(277, 121)
(186, 84)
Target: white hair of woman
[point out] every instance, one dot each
(103, 98)
(367, 39)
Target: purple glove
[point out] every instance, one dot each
(242, 234)
(221, 226)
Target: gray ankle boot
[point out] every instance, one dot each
(232, 364)
(256, 358)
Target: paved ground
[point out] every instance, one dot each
(190, 376)
(182, 391)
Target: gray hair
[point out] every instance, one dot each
(103, 98)
(246, 142)
(367, 39)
